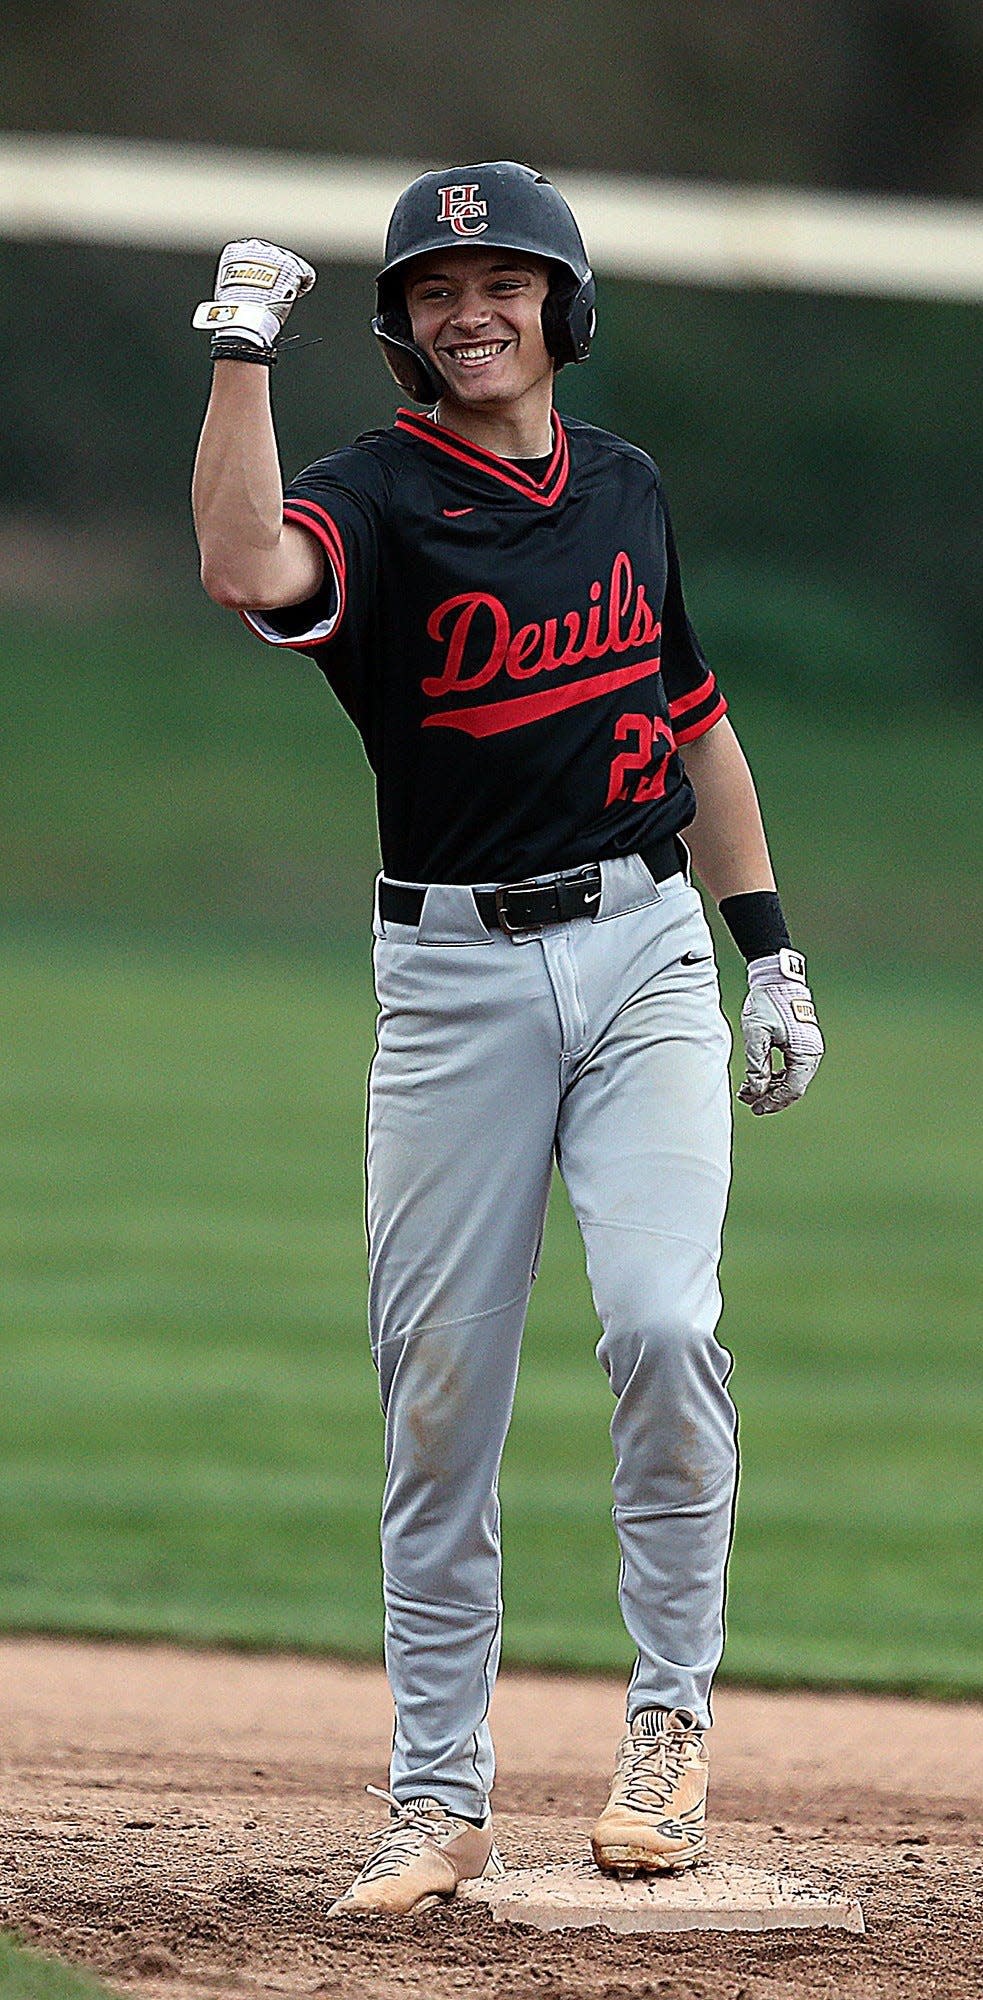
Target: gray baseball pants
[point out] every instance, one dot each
(601, 1042)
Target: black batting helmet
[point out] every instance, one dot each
(497, 206)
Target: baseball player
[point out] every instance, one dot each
(494, 596)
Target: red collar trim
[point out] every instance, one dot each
(545, 491)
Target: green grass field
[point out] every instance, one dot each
(26, 1975)
(191, 1442)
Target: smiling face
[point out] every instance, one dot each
(478, 316)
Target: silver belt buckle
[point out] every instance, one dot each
(513, 930)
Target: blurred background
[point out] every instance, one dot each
(191, 1439)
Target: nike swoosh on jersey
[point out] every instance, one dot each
(454, 513)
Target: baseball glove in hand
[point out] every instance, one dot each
(779, 1013)
(255, 286)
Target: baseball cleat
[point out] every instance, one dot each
(418, 1859)
(654, 1822)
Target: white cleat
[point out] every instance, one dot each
(418, 1860)
(654, 1822)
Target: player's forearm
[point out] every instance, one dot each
(237, 489)
(727, 838)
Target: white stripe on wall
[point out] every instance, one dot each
(148, 195)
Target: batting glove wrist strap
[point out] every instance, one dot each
(255, 286)
(779, 1015)
(776, 967)
(237, 321)
(228, 349)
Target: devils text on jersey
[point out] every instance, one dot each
(513, 647)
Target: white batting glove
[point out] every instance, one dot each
(779, 1014)
(255, 286)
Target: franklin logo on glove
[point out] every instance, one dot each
(263, 275)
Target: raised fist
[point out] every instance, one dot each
(255, 286)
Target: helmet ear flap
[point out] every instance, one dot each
(582, 319)
(408, 364)
(411, 368)
(568, 316)
(554, 314)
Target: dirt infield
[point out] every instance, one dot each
(179, 1822)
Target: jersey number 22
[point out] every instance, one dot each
(650, 733)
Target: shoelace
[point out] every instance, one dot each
(398, 1842)
(649, 1769)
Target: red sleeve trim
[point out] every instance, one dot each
(316, 519)
(684, 702)
(705, 722)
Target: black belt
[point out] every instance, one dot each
(528, 906)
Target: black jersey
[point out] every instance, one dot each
(514, 651)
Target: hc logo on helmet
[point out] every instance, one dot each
(460, 207)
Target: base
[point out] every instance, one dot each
(714, 1896)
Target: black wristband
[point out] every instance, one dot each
(756, 923)
(226, 349)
